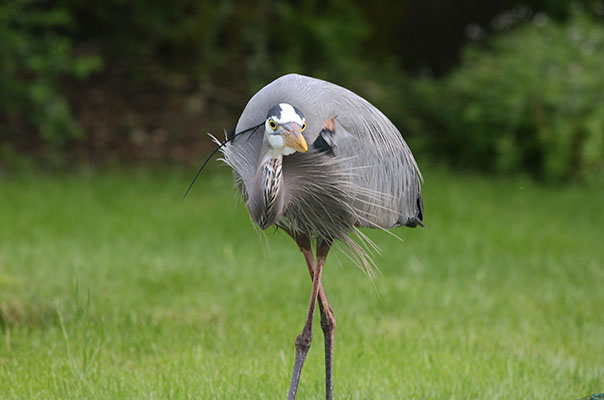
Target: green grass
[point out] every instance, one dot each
(111, 286)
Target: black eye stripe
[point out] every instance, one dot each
(276, 111)
(299, 113)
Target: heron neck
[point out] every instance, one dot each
(271, 170)
(271, 174)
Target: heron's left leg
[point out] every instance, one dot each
(304, 340)
(328, 318)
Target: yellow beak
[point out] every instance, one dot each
(293, 138)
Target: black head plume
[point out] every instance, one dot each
(230, 138)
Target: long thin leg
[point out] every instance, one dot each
(328, 320)
(328, 323)
(304, 340)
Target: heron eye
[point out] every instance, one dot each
(272, 124)
(303, 127)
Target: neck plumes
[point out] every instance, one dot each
(269, 200)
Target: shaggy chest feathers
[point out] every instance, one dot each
(272, 174)
(288, 196)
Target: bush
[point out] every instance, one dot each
(49, 49)
(531, 100)
(36, 53)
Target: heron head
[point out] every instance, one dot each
(283, 128)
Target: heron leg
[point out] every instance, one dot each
(304, 340)
(328, 320)
(328, 323)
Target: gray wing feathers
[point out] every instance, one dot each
(387, 181)
(383, 180)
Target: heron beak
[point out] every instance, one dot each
(293, 138)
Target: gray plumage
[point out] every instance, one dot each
(319, 161)
(370, 179)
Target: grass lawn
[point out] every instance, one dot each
(111, 287)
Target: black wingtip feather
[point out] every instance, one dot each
(418, 219)
(321, 145)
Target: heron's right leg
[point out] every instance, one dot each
(304, 340)
(328, 319)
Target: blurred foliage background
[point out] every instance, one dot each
(503, 86)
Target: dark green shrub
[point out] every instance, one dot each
(35, 54)
(46, 47)
(533, 100)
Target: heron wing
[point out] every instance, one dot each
(385, 182)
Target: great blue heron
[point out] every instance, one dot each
(357, 172)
